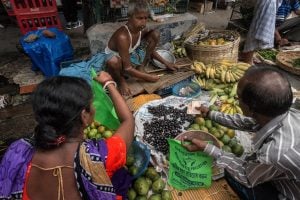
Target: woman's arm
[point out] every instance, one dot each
(126, 128)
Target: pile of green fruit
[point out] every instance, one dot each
(97, 131)
(149, 186)
(225, 135)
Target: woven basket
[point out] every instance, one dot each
(284, 60)
(211, 54)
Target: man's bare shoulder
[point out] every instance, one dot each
(121, 34)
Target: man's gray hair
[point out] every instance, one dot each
(138, 6)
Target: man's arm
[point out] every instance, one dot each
(236, 121)
(249, 173)
(123, 47)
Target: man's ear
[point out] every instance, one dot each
(85, 117)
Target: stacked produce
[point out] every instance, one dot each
(225, 135)
(268, 54)
(221, 80)
(148, 186)
(97, 131)
(220, 72)
(211, 38)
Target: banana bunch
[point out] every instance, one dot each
(198, 67)
(207, 84)
(178, 49)
(222, 72)
(180, 52)
(231, 108)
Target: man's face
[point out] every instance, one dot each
(139, 20)
(245, 108)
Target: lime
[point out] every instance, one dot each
(133, 170)
(232, 142)
(195, 126)
(107, 134)
(225, 139)
(230, 133)
(200, 121)
(131, 194)
(203, 128)
(141, 186)
(143, 197)
(208, 124)
(101, 129)
(238, 150)
(129, 160)
(166, 195)
(227, 148)
(158, 186)
(155, 197)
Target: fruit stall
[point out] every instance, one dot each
(166, 114)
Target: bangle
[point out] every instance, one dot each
(107, 83)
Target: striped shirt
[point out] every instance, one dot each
(276, 152)
(262, 28)
(285, 9)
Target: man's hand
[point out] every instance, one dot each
(204, 110)
(193, 144)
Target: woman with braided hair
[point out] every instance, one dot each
(58, 163)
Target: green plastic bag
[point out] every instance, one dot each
(188, 170)
(105, 111)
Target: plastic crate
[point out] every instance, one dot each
(26, 7)
(38, 21)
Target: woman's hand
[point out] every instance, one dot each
(102, 77)
(193, 144)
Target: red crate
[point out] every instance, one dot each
(25, 7)
(40, 21)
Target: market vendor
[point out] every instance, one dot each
(272, 170)
(286, 25)
(262, 28)
(127, 45)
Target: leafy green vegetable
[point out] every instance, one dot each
(268, 54)
(296, 63)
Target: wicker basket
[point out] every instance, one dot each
(284, 60)
(211, 54)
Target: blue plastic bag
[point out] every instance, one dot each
(45, 53)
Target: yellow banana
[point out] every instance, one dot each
(242, 66)
(223, 76)
(237, 77)
(208, 72)
(212, 73)
(227, 77)
(232, 79)
(238, 109)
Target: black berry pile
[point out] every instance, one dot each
(167, 122)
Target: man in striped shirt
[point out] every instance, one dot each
(265, 97)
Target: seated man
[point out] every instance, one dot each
(282, 23)
(272, 170)
(124, 45)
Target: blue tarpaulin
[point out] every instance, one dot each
(45, 53)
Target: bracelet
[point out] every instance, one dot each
(107, 83)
